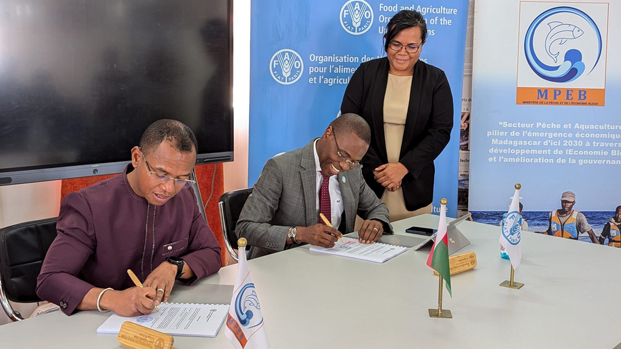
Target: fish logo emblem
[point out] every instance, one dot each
(563, 43)
(560, 32)
(245, 302)
(356, 17)
(286, 66)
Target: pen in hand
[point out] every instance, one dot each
(137, 282)
(325, 220)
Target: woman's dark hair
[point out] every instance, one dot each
(403, 20)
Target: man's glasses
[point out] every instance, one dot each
(343, 157)
(178, 182)
(411, 48)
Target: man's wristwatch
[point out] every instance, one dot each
(178, 262)
(291, 235)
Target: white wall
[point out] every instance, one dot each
(236, 172)
(27, 202)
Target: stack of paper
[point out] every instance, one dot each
(352, 248)
(194, 320)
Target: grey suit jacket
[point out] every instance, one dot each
(284, 196)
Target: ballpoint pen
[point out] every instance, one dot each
(325, 220)
(136, 281)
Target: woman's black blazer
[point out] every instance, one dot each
(427, 128)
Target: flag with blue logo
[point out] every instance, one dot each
(511, 233)
(244, 324)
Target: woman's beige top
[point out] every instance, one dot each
(396, 101)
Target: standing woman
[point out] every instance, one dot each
(409, 106)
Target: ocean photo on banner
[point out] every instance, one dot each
(538, 221)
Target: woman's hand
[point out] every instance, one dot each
(394, 187)
(390, 175)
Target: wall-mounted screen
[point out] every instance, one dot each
(80, 80)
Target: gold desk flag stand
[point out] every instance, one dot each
(511, 283)
(441, 313)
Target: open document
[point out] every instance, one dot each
(352, 248)
(194, 320)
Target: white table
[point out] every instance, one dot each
(310, 300)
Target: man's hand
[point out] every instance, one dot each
(318, 235)
(390, 175)
(162, 280)
(370, 232)
(130, 302)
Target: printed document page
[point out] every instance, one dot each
(352, 248)
(194, 320)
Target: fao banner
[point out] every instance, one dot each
(303, 54)
(545, 95)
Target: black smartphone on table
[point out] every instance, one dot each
(420, 231)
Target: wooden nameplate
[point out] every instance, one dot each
(134, 336)
(462, 262)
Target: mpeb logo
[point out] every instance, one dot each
(561, 35)
(562, 58)
(356, 17)
(286, 66)
(247, 307)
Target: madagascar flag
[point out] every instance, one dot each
(439, 256)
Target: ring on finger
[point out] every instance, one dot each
(375, 229)
(160, 289)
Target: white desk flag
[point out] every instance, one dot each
(244, 324)
(511, 233)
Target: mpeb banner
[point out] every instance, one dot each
(303, 54)
(549, 114)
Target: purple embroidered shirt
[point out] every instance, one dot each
(105, 229)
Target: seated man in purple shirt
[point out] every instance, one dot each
(145, 219)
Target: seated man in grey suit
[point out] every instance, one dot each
(322, 177)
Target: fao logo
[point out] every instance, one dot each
(511, 227)
(562, 43)
(143, 319)
(356, 17)
(286, 66)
